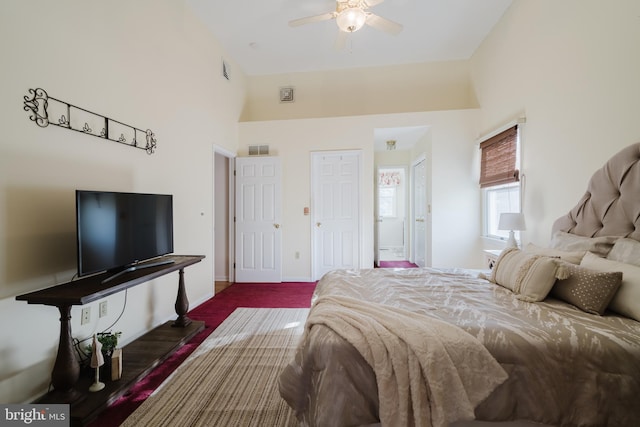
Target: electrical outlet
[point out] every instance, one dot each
(103, 309)
(86, 315)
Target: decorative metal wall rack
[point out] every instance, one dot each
(43, 107)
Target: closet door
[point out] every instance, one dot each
(258, 219)
(336, 211)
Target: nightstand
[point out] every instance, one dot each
(491, 257)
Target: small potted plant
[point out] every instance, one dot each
(109, 341)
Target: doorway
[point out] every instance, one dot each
(396, 231)
(223, 198)
(391, 220)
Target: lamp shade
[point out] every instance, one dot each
(511, 221)
(351, 19)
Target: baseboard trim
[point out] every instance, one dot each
(297, 279)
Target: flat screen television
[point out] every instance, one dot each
(117, 231)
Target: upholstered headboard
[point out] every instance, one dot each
(611, 205)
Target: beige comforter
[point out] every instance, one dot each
(430, 372)
(565, 367)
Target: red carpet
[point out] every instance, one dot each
(212, 312)
(397, 264)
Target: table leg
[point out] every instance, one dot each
(66, 369)
(182, 304)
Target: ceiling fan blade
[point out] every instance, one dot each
(383, 24)
(341, 40)
(310, 19)
(371, 3)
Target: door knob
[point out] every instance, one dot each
(318, 224)
(276, 225)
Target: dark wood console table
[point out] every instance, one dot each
(144, 353)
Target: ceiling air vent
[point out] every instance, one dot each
(286, 94)
(225, 70)
(258, 150)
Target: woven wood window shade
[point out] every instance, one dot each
(498, 159)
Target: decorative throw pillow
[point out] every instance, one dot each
(589, 290)
(574, 257)
(627, 300)
(572, 242)
(626, 251)
(529, 276)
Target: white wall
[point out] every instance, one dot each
(404, 88)
(149, 63)
(455, 200)
(572, 68)
(392, 158)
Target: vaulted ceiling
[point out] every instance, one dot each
(257, 36)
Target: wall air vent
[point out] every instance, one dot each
(286, 94)
(258, 150)
(225, 70)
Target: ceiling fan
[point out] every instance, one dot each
(351, 15)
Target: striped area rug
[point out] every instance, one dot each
(231, 378)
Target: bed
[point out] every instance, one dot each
(550, 335)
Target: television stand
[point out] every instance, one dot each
(138, 266)
(145, 352)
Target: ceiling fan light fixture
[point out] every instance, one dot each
(351, 19)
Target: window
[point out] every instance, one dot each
(387, 202)
(497, 200)
(500, 180)
(390, 192)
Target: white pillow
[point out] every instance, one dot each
(627, 300)
(572, 242)
(626, 251)
(574, 257)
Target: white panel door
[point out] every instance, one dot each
(258, 216)
(336, 211)
(420, 213)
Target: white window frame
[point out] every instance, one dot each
(490, 224)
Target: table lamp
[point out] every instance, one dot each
(511, 221)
